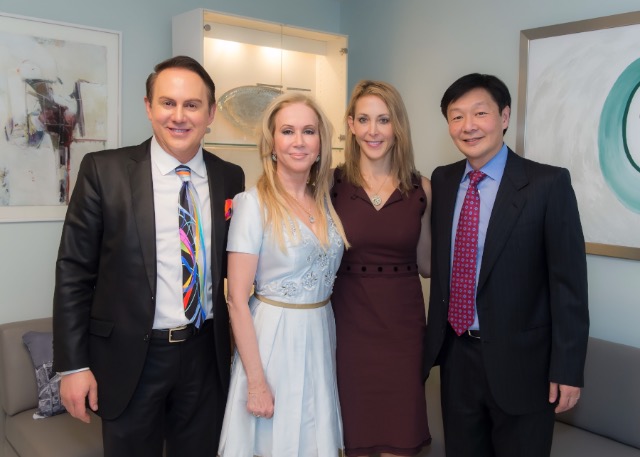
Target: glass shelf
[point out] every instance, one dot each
(249, 146)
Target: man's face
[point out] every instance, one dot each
(179, 112)
(476, 125)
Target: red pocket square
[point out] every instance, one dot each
(228, 209)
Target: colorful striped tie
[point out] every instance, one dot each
(192, 249)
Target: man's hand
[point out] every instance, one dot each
(569, 396)
(75, 388)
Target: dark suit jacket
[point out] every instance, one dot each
(532, 288)
(104, 300)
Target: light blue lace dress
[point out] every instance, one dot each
(297, 346)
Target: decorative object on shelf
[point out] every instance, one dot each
(244, 105)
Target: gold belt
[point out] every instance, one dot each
(280, 304)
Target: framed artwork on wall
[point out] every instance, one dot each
(59, 99)
(579, 108)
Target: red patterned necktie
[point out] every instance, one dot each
(465, 257)
(192, 250)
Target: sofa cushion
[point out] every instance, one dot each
(58, 436)
(610, 401)
(40, 346)
(17, 379)
(573, 441)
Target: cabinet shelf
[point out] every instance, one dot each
(251, 61)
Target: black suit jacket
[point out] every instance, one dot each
(104, 299)
(532, 288)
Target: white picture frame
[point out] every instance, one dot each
(60, 89)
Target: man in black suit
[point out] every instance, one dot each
(517, 354)
(122, 339)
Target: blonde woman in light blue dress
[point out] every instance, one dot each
(285, 245)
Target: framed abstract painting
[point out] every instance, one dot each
(579, 108)
(59, 99)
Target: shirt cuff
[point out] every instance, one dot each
(64, 373)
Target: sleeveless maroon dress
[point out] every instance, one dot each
(380, 322)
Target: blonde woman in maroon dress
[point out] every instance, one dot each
(384, 205)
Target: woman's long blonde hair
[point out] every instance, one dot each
(276, 201)
(403, 166)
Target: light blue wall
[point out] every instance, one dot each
(146, 33)
(422, 47)
(419, 46)
(28, 250)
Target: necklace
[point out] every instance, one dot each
(308, 211)
(375, 198)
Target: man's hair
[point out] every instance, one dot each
(496, 88)
(186, 63)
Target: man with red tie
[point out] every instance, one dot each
(508, 320)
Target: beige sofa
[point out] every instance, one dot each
(606, 421)
(21, 435)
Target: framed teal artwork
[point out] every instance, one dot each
(579, 108)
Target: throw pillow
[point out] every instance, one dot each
(40, 346)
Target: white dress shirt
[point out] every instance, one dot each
(166, 192)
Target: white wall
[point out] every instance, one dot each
(422, 47)
(28, 250)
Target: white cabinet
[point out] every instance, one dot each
(251, 61)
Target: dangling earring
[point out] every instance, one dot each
(274, 157)
(318, 158)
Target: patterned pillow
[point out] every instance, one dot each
(40, 346)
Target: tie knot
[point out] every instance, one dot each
(475, 177)
(184, 172)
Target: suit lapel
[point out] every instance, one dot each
(218, 229)
(452, 176)
(506, 210)
(143, 207)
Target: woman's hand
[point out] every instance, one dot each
(241, 271)
(260, 402)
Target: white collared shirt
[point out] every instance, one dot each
(166, 191)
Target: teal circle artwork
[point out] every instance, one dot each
(618, 161)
